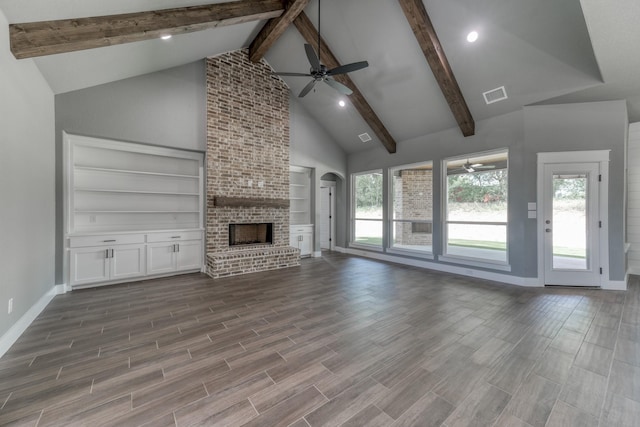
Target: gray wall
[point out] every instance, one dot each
(525, 133)
(312, 147)
(166, 108)
(587, 126)
(27, 200)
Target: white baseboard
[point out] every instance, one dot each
(616, 285)
(463, 271)
(18, 328)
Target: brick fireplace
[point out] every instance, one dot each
(247, 165)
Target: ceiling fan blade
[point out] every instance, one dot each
(338, 86)
(307, 88)
(290, 74)
(343, 69)
(313, 58)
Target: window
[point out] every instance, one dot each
(475, 224)
(367, 208)
(412, 207)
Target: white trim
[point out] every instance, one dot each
(479, 274)
(410, 252)
(317, 254)
(633, 270)
(615, 285)
(574, 156)
(475, 262)
(18, 328)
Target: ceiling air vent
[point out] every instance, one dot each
(495, 95)
(364, 137)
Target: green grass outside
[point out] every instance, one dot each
(377, 241)
(483, 244)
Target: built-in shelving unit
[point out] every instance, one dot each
(299, 195)
(301, 230)
(131, 210)
(116, 186)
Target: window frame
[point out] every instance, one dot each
(390, 223)
(352, 242)
(471, 260)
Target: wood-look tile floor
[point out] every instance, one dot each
(339, 340)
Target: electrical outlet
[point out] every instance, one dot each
(10, 307)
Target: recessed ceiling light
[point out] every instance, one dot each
(342, 103)
(472, 36)
(166, 37)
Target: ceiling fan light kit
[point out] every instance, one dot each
(319, 72)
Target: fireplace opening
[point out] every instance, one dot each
(251, 234)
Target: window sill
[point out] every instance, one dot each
(365, 247)
(475, 262)
(411, 253)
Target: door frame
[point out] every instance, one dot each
(592, 156)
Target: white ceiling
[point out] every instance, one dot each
(541, 51)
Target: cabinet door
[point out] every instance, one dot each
(189, 255)
(89, 265)
(306, 244)
(128, 261)
(161, 258)
(294, 240)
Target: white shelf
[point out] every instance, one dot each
(144, 212)
(99, 190)
(113, 186)
(128, 171)
(299, 195)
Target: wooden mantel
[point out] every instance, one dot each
(249, 202)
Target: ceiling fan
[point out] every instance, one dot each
(319, 72)
(468, 167)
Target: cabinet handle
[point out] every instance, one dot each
(112, 253)
(177, 247)
(176, 237)
(109, 241)
(106, 253)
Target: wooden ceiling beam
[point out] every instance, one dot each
(310, 34)
(427, 38)
(68, 35)
(274, 28)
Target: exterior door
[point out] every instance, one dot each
(571, 224)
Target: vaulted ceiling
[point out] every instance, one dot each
(543, 51)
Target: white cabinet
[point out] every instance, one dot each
(131, 210)
(174, 252)
(96, 264)
(110, 258)
(301, 237)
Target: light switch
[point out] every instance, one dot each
(532, 214)
(532, 206)
(249, 183)
(260, 184)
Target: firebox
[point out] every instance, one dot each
(251, 234)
